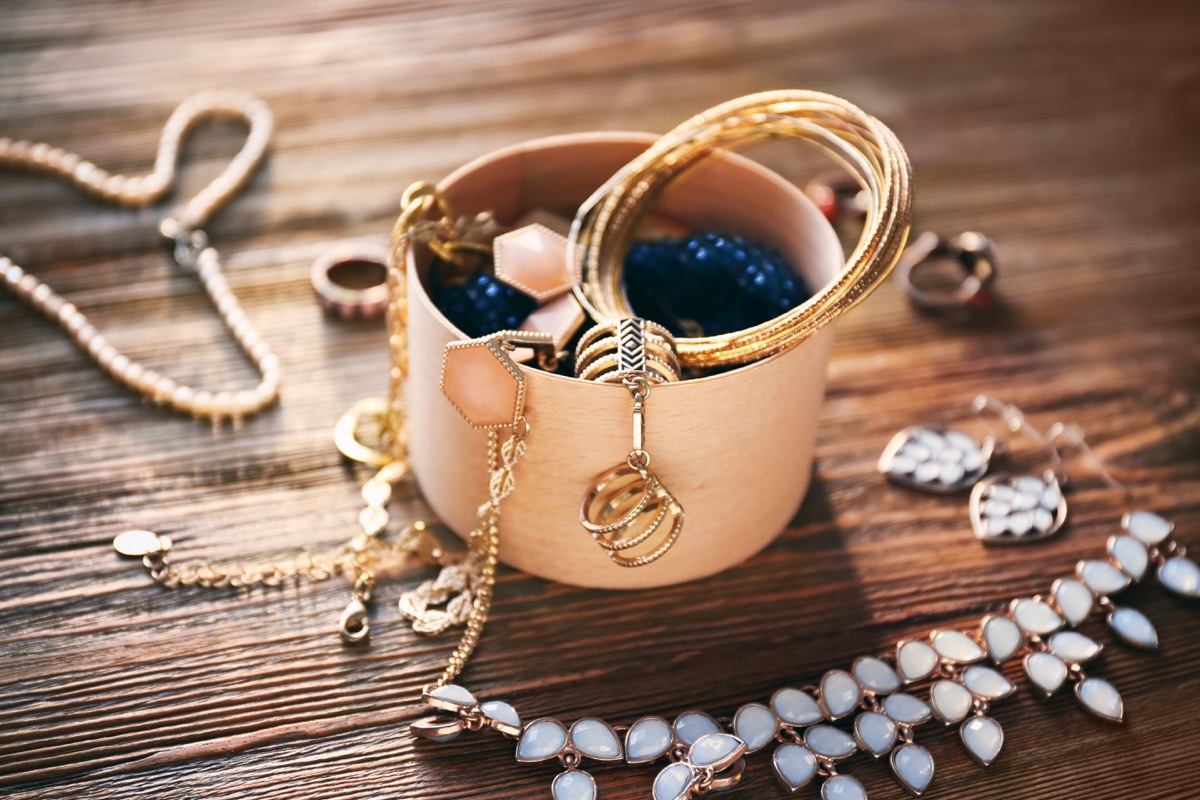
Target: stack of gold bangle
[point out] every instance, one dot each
(858, 142)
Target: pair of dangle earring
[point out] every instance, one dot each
(1004, 508)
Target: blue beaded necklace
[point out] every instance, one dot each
(700, 285)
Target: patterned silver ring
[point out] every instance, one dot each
(972, 251)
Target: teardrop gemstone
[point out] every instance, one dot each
(1001, 636)
(1046, 671)
(1074, 648)
(1036, 617)
(1149, 528)
(1133, 627)
(450, 697)
(907, 709)
(716, 751)
(1130, 555)
(956, 647)
(986, 683)
(915, 661)
(673, 782)
(1101, 577)
(573, 785)
(501, 716)
(691, 725)
(843, 787)
(795, 766)
(913, 766)
(755, 725)
(875, 732)
(542, 739)
(829, 742)
(1101, 698)
(983, 738)
(1073, 599)
(796, 707)
(647, 739)
(950, 700)
(594, 738)
(875, 676)
(840, 693)
(1181, 576)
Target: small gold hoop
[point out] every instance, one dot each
(345, 433)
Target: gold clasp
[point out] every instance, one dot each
(352, 624)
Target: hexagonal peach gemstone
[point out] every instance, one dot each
(533, 259)
(481, 382)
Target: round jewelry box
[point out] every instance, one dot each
(735, 447)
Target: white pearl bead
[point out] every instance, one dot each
(106, 356)
(163, 389)
(182, 397)
(202, 404)
(40, 295)
(222, 404)
(27, 284)
(154, 183)
(246, 402)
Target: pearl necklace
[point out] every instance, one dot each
(191, 250)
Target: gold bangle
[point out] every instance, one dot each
(861, 144)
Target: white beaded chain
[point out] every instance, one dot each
(191, 251)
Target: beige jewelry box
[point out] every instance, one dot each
(736, 448)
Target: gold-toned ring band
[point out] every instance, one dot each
(346, 300)
(856, 141)
(607, 370)
(661, 548)
(655, 347)
(616, 477)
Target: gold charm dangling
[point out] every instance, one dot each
(626, 506)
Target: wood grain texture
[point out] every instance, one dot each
(1065, 131)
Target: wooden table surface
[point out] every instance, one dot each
(1065, 131)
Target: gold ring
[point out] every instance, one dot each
(351, 281)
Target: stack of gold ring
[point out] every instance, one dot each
(610, 353)
(858, 142)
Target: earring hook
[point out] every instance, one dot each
(1012, 417)
(1072, 436)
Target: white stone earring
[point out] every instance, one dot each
(1004, 508)
(941, 459)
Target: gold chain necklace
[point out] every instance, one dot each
(192, 251)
